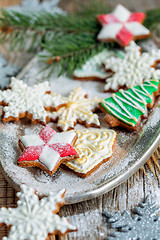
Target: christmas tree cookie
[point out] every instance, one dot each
(127, 108)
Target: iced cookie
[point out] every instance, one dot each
(77, 109)
(93, 69)
(47, 150)
(34, 218)
(94, 147)
(133, 69)
(21, 101)
(127, 108)
(122, 26)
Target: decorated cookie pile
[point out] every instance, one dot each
(84, 150)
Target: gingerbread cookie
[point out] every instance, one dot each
(94, 147)
(35, 219)
(32, 102)
(133, 69)
(127, 108)
(47, 150)
(77, 108)
(93, 69)
(122, 26)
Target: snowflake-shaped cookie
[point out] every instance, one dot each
(6, 71)
(23, 101)
(133, 69)
(47, 150)
(122, 26)
(35, 219)
(77, 109)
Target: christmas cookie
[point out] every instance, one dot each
(94, 147)
(122, 26)
(47, 150)
(133, 69)
(6, 71)
(21, 101)
(35, 219)
(127, 108)
(77, 109)
(93, 69)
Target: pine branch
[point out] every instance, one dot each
(70, 40)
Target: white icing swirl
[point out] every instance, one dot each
(93, 146)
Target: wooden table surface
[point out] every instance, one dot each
(87, 216)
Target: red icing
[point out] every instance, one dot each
(33, 153)
(64, 149)
(46, 134)
(136, 17)
(107, 18)
(124, 36)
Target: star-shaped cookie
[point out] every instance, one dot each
(35, 219)
(122, 26)
(47, 150)
(21, 101)
(133, 69)
(77, 108)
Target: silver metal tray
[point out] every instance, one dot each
(131, 150)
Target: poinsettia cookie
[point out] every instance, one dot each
(35, 219)
(47, 150)
(122, 26)
(94, 147)
(21, 101)
(126, 108)
(77, 109)
(93, 69)
(133, 69)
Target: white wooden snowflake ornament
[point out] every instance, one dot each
(77, 109)
(32, 102)
(6, 71)
(122, 26)
(133, 69)
(35, 219)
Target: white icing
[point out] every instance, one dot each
(112, 29)
(133, 69)
(121, 13)
(93, 146)
(93, 67)
(33, 219)
(77, 108)
(22, 98)
(49, 156)
(136, 28)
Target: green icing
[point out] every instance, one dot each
(129, 105)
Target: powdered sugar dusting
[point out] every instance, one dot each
(127, 148)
